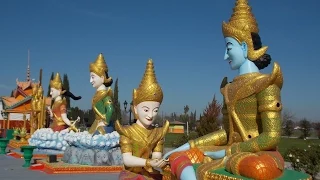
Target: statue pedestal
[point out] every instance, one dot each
(222, 173)
(93, 157)
(3, 145)
(27, 154)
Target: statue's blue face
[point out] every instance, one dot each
(236, 54)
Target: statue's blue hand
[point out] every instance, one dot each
(184, 147)
(216, 154)
(166, 156)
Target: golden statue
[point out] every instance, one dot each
(102, 104)
(247, 146)
(37, 107)
(141, 143)
(59, 108)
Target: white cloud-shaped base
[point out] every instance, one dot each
(45, 138)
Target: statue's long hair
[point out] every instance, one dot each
(264, 60)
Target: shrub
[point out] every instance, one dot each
(307, 160)
(184, 139)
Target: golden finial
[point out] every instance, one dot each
(149, 89)
(240, 26)
(100, 67)
(56, 82)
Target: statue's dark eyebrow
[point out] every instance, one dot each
(228, 43)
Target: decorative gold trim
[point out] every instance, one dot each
(53, 168)
(149, 89)
(100, 68)
(56, 82)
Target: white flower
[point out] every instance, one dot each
(114, 144)
(59, 145)
(101, 144)
(88, 142)
(305, 150)
(290, 155)
(309, 146)
(108, 143)
(53, 144)
(298, 160)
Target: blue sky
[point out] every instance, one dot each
(183, 37)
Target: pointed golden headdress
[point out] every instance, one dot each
(100, 67)
(149, 89)
(56, 82)
(240, 26)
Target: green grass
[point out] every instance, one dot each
(170, 138)
(287, 143)
(284, 145)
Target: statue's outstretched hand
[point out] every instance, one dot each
(166, 156)
(215, 154)
(157, 163)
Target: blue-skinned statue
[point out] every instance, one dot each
(247, 146)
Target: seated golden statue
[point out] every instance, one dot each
(58, 111)
(247, 146)
(141, 144)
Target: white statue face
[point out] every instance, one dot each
(54, 92)
(147, 111)
(96, 80)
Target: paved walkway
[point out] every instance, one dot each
(11, 169)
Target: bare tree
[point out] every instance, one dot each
(286, 116)
(288, 128)
(305, 126)
(317, 128)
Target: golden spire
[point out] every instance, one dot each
(149, 89)
(28, 68)
(240, 26)
(100, 67)
(56, 82)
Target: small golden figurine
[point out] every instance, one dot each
(141, 144)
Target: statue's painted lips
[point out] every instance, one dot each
(149, 119)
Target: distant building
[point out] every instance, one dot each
(18, 103)
(176, 127)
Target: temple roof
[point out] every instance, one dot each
(26, 84)
(8, 101)
(12, 102)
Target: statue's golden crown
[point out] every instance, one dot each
(240, 26)
(149, 89)
(100, 67)
(56, 82)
